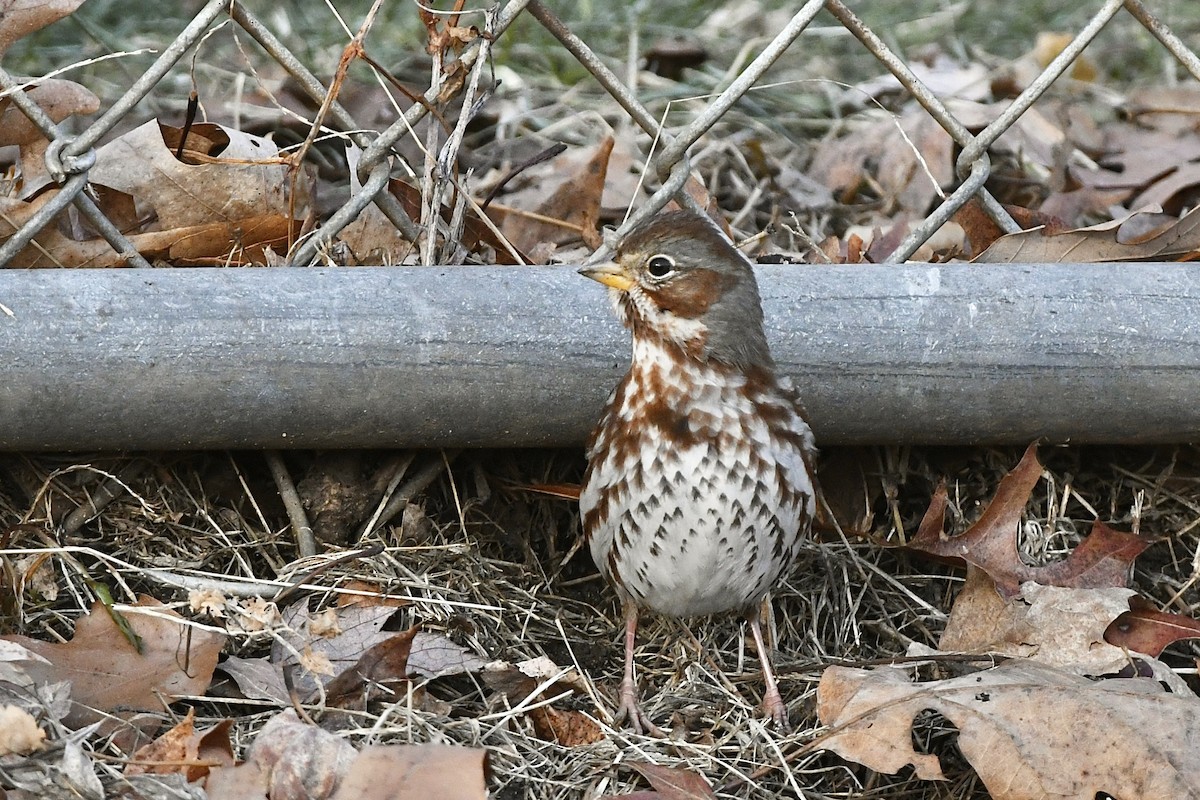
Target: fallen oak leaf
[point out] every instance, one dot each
(1059, 626)
(1030, 731)
(675, 783)
(107, 672)
(1096, 244)
(1145, 629)
(1103, 559)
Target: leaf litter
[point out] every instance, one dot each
(483, 639)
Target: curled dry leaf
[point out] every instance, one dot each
(568, 728)
(19, 732)
(298, 759)
(1097, 244)
(1029, 730)
(223, 176)
(571, 211)
(1054, 625)
(415, 772)
(914, 158)
(186, 751)
(1145, 629)
(1104, 558)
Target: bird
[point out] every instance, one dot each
(700, 484)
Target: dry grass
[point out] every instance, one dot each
(489, 572)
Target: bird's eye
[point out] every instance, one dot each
(660, 266)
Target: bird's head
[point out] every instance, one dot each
(677, 278)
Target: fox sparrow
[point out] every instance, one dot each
(699, 482)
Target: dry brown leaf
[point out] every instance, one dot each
(1029, 730)
(1096, 244)
(217, 243)
(246, 781)
(225, 202)
(1135, 157)
(912, 154)
(1103, 559)
(185, 751)
(1174, 193)
(1053, 625)
(675, 783)
(1145, 629)
(980, 229)
(1174, 110)
(381, 668)
(23, 17)
(106, 671)
(1076, 207)
(568, 728)
(571, 211)
(298, 759)
(416, 772)
(225, 176)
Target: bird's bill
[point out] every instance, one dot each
(610, 274)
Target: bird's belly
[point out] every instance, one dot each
(702, 536)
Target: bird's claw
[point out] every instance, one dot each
(774, 709)
(629, 709)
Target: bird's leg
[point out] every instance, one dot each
(630, 709)
(772, 704)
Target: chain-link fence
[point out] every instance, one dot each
(70, 158)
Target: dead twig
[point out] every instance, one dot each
(305, 540)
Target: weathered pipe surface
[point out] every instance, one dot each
(475, 356)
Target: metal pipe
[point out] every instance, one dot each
(501, 356)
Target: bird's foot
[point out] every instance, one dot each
(631, 710)
(774, 709)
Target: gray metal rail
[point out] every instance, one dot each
(502, 356)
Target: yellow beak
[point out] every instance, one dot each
(610, 274)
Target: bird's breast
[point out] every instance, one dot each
(698, 487)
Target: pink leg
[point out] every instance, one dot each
(629, 708)
(772, 704)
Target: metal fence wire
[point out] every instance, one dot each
(70, 158)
